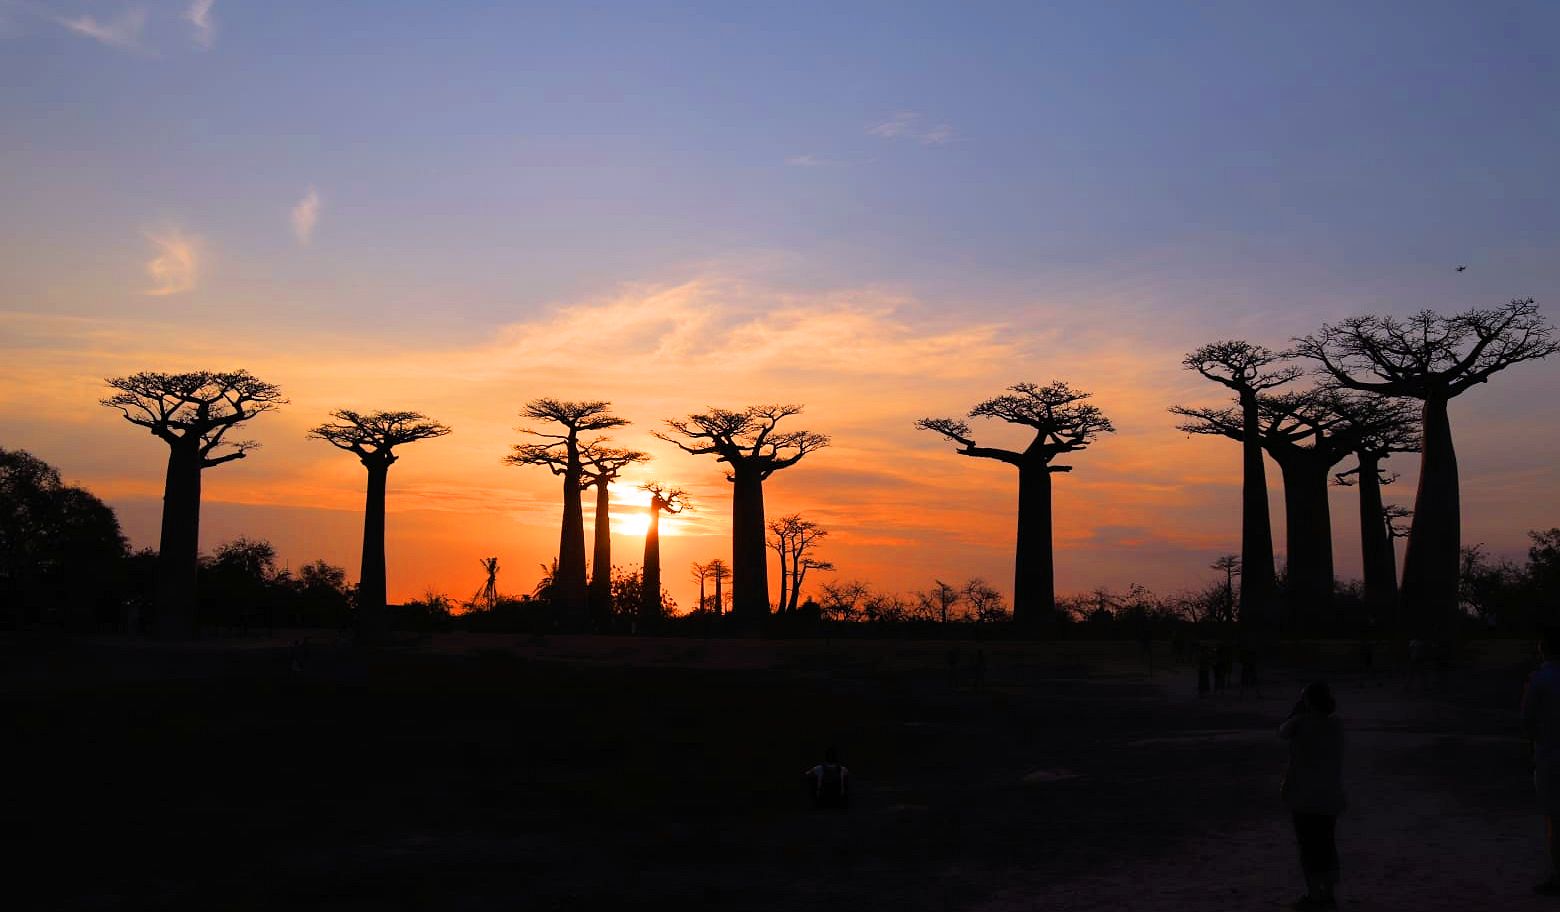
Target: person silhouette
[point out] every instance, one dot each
(829, 782)
(1541, 725)
(1313, 790)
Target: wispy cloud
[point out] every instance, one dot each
(123, 33)
(199, 15)
(809, 161)
(305, 215)
(175, 267)
(910, 125)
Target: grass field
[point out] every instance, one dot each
(501, 772)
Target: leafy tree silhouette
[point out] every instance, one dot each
(662, 500)
(1249, 370)
(794, 540)
(563, 455)
(1433, 358)
(372, 438)
(1063, 423)
(192, 413)
(747, 441)
(603, 465)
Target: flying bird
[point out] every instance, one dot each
(1461, 268)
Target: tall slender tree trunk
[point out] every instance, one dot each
(749, 554)
(797, 574)
(371, 576)
(571, 548)
(703, 600)
(785, 579)
(1258, 607)
(601, 563)
(1308, 525)
(1376, 555)
(1034, 580)
(178, 549)
(720, 603)
(1430, 565)
(650, 578)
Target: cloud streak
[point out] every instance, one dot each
(123, 33)
(175, 268)
(909, 125)
(199, 16)
(305, 215)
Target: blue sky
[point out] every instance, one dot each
(1138, 177)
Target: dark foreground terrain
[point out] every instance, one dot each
(509, 773)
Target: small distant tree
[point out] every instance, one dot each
(372, 438)
(753, 448)
(1229, 565)
(1388, 426)
(793, 541)
(986, 605)
(940, 600)
(192, 413)
(1062, 423)
(1433, 358)
(562, 454)
(719, 573)
(700, 573)
(842, 600)
(663, 499)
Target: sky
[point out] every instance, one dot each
(879, 211)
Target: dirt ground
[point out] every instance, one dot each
(503, 772)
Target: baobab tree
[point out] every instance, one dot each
(1392, 428)
(192, 413)
(1249, 370)
(1306, 433)
(662, 500)
(794, 540)
(1229, 565)
(602, 466)
(748, 442)
(562, 454)
(1063, 423)
(700, 573)
(372, 438)
(719, 571)
(1433, 358)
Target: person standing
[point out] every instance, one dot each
(1541, 725)
(1313, 790)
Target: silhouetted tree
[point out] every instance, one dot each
(1433, 358)
(60, 547)
(562, 454)
(700, 573)
(939, 600)
(662, 500)
(603, 464)
(1229, 565)
(748, 442)
(192, 413)
(794, 541)
(1389, 426)
(1306, 433)
(1249, 370)
(1063, 423)
(719, 572)
(372, 438)
(985, 602)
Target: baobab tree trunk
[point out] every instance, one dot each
(570, 580)
(720, 603)
(796, 588)
(178, 548)
(1308, 525)
(1034, 578)
(650, 580)
(371, 575)
(1430, 564)
(749, 553)
(785, 579)
(1258, 608)
(703, 600)
(1379, 564)
(601, 563)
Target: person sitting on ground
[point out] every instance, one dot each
(829, 782)
(1541, 725)
(1313, 790)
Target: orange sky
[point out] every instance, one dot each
(1146, 504)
